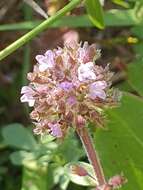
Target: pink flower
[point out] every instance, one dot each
(96, 90)
(88, 53)
(28, 95)
(86, 72)
(117, 181)
(45, 61)
(65, 89)
(55, 130)
(71, 100)
(66, 86)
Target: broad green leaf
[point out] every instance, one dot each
(95, 13)
(81, 180)
(135, 75)
(18, 136)
(120, 147)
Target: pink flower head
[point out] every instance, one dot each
(66, 87)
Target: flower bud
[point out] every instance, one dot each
(78, 170)
(117, 181)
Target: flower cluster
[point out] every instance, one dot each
(67, 89)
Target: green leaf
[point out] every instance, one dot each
(18, 136)
(122, 3)
(117, 17)
(81, 180)
(138, 31)
(22, 157)
(64, 182)
(69, 149)
(120, 147)
(95, 12)
(138, 48)
(35, 177)
(135, 75)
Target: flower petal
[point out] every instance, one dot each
(29, 99)
(46, 61)
(99, 85)
(71, 100)
(97, 93)
(55, 130)
(67, 86)
(26, 89)
(86, 72)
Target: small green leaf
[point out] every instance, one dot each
(18, 136)
(95, 13)
(81, 180)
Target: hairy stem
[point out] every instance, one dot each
(92, 154)
(44, 25)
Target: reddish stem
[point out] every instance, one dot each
(92, 154)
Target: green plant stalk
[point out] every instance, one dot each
(91, 154)
(44, 25)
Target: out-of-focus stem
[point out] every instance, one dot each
(92, 154)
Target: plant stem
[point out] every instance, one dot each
(91, 154)
(44, 25)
